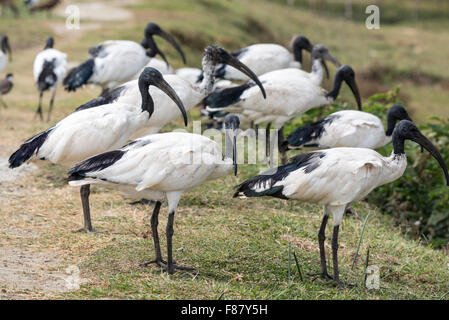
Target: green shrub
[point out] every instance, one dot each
(419, 200)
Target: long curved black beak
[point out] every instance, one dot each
(420, 139)
(355, 91)
(173, 42)
(331, 59)
(164, 86)
(233, 62)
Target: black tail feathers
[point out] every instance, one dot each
(28, 149)
(79, 76)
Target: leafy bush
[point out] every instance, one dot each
(419, 200)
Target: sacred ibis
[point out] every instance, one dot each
(50, 67)
(348, 128)
(5, 52)
(335, 177)
(158, 167)
(5, 87)
(190, 94)
(91, 131)
(291, 92)
(116, 61)
(266, 57)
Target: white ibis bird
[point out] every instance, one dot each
(190, 94)
(50, 67)
(335, 177)
(158, 167)
(347, 128)
(291, 92)
(266, 57)
(91, 131)
(5, 52)
(116, 61)
(5, 87)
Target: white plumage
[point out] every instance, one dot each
(336, 177)
(113, 62)
(158, 167)
(266, 57)
(49, 69)
(5, 52)
(348, 128)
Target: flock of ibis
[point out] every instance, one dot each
(114, 139)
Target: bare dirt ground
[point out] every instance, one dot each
(30, 268)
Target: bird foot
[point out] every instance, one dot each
(163, 264)
(340, 285)
(321, 275)
(87, 230)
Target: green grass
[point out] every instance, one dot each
(239, 247)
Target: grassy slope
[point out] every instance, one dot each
(240, 247)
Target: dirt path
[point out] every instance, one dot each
(30, 267)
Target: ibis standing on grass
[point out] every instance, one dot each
(266, 57)
(5, 52)
(5, 87)
(336, 177)
(190, 94)
(116, 61)
(50, 67)
(347, 128)
(91, 131)
(158, 167)
(291, 92)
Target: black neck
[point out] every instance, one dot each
(147, 101)
(152, 49)
(398, 144)
(297, 53)
(391, 123)
(337, 86)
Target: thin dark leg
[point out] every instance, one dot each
(169, 234)
(39, 108)
(321, 239)
(157, 247)
(267, 139)
(51, 105)
(256, 127)
(281, 140)
(335, 255)
(85, 192)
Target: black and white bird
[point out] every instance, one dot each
(335, 177)
(116, 61)
(347, 128)
(49, 69)
(5, 87)
(5, 52)
(91, 131)
(291, 92)
(161, 167)
(266, 57)
(190, 94)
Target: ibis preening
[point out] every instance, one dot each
(190, 94)
(266, 57)
(158, 167)
(336, 177)
(116, 61)
(5, 52)
(291, 92)
(50, 67)
(348, 128)
(5, 87)
(91, 131)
